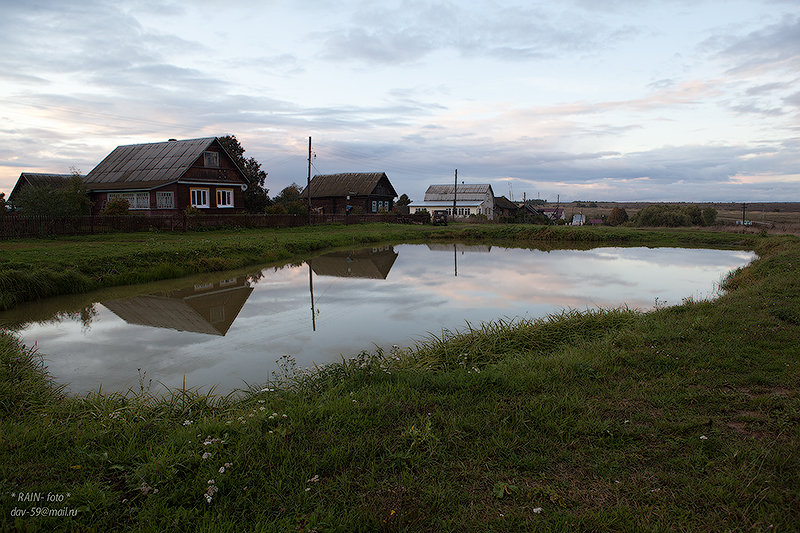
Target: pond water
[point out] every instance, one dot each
(229, 330)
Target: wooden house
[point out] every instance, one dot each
(165, 178)
(370, 192)
(33, 179)
(505, 208)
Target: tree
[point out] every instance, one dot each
(3, 203)
(255, 197)
(403, 201)
(709, 216)
(617, 216)
(289, 198)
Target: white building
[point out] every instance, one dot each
(470, 200)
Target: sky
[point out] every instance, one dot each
(619, 100)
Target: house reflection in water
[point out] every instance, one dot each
(371, 263)
(207, 308)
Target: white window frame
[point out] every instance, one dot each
(374, 206)
(198, 197)
(221, 195)
(211, 159)
(136, 200)
(165, 200)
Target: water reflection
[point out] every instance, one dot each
(369, 263)
(208, 308)
(231, 329)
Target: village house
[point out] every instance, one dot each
(164, 178)
(470, 199)
(368, 192)
(32, 179)
(505, 208)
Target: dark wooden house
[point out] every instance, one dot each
(167, 177)
(33, 179)
(368, 192)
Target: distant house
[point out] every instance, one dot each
(552, 213)
(596, 221)
(31, 179)
(167, 177)
(578, 220)
(503, 207)
(470, 199)
(368, 191)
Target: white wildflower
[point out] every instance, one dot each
(537, 510)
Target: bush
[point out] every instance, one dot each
(617, 216)
(116, 207)
(662, 215)
(709, 216)
(275, 209)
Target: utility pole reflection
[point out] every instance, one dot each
(311, 289)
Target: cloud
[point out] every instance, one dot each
(411, 30)
(774, 47)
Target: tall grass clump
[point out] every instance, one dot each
(491, 341)
(25, 385)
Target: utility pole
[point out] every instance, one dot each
(308, 182)
(455, 189)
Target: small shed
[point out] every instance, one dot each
(371, 192)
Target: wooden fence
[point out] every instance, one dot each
(15, 227)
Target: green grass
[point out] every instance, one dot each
(686, 418)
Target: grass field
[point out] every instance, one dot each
(686, 418)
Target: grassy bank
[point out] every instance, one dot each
(685, 418)
(40, 268)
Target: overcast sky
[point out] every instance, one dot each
(694, 100)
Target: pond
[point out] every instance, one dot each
(229, 330)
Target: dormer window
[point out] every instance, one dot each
(211, 159)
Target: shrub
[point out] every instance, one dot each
(275, 209)
(116, 207)
(662, 215)
(709, 216)
(617, 216)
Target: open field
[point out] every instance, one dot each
(685, 418)
(775, 217)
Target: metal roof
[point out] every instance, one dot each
(36, 179)
(471, 191)
(147, 165)
(447, 203)
(348, 183)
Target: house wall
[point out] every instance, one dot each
(336, 205)
(181, 197)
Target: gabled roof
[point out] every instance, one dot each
(36, 180)
(504, 203)
(465, 191)
(149, 165)
(348, 183)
